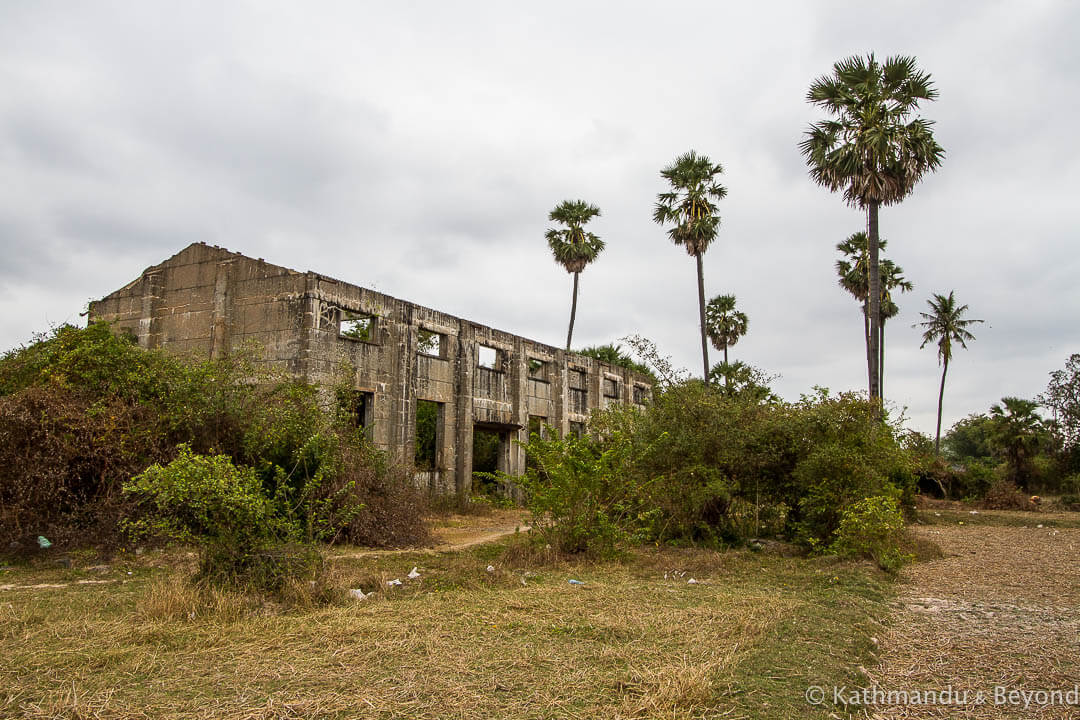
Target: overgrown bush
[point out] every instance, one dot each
(702, 467)
(84, 410)
(210, 502)
(872, 528)
(1005, 495)
(580, 491)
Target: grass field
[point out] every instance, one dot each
(637, 640)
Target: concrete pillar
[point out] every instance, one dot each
(152, 290)
(464, 369)
(222, 315)
(560, 399)
(519, 382)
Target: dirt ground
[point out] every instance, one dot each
(459, 532)
(999, 614)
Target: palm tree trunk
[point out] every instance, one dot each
(940, 397)
(573, 314)
(881, 362)
(866, 334)
(701, 314)
(875, 300)
(727, 376)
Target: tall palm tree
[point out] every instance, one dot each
(944, 325)
(572, 246)
(724, 324)
(690, 206)
(872, 149)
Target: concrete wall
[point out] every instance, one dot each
(206, 300)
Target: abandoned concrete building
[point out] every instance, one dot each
(407, 359)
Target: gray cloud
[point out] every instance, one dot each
(418, 150)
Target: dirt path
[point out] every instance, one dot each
(460, 532)
(999, 613)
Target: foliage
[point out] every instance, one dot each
(580, 491)
(209, 501)
(572, 245)
(63, 458)
(1017, 433)
(724, 324)
(84, 410)
(613, 355)
(740, 380)
(1062, 398)
(198, 498)
(969, 438)
(665, 474)
(873, 528)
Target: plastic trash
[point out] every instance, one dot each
(395, 581)
(491, 568)
(358, 594)
(43, 542)
(691, 581)
(575, 582)
(413, 574)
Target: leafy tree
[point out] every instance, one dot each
(872, 150)
(724, 324)
(690, 207)
(970, 439)
(1062, 398)
(1017, 433)
(572, 246)
(739, 380)
(944, 325)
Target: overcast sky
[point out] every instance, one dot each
(416, 148)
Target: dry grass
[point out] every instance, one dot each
(1000, 609)
(636, 641)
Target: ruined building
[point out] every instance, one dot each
(205, 300)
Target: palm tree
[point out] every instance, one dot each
(1017, 431)
(872, 150)
(945, 324)
(723, 323)
(572, 246)
(892, 278)
(853, 270)
(691, 208)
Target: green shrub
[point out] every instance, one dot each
(580, 491)
(212, 503)
(872, 528)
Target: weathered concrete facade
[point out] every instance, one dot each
(206, 300)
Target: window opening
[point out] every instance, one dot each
(427, 431)
(429, 342)
(357, 326)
